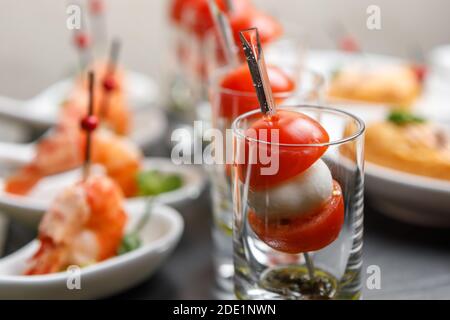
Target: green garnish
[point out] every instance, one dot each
(131, 241)
(401, 117)
(154, 182)
(335, 73)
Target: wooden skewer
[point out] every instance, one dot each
(109, 83)
(89, 124)
(99, 32)
(258, 70)
(225, 33)
(82, 42)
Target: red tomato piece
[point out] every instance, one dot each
(230, 106)
(196, 16)
(291, 128)
(310, 232)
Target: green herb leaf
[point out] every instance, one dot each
(154, 182)
(401, 117)
(335, 73)
(130, 242)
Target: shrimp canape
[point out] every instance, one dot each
(84, 225)
(297, 207)
(64, 149)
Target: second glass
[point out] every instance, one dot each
(227, 104)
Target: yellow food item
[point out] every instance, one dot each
(417, 148)
(395, 85)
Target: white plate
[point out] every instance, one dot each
(42, 111)
(327, 62)
(148, 127)
(30, 209)
(159, 236)
(404, 196)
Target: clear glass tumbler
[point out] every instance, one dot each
(226, 105)
(297, 228)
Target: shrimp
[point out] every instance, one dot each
(120, 157)
(84, 225)
(60, 151)
(110, 106)
(65, 150)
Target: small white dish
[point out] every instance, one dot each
(19, 153)
(327, 62)
(406, 197)
(30, 208)
(409, 198)
(159, 237)
(42, 110)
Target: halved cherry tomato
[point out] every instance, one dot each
(268, 28)
(291, 128)
(239, 79)
(196, 16)
(420, 71)
(309, 232)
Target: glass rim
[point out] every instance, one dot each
(283, 94)
(357, 134)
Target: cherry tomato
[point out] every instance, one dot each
(420, 70)
(82, 40)
(308, 232)
(230, 106)
(96, 6)
(288, 161)
(89, 123)
(196, 16)
(177, 8)
(268, 28)
(349, 44)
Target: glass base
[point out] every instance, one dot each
(223, 261)
(294, 281)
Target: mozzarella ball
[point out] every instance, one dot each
(300, 195)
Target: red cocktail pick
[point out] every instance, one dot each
(109, 82)
(89, 123)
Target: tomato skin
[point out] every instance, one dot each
(239, 79)
(268, 28)
(291, 128)
(310, 232)
(201, 20)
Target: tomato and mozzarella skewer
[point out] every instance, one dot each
(299, 207)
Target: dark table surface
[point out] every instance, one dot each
(414, 261)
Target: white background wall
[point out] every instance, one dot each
(35, 47)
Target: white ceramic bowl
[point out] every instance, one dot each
(30, 209)
(42, 111)
(160, 235)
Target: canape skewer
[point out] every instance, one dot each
(109, 82)
(225, 33)
(258, 70)
(97, 13)
(89, 124)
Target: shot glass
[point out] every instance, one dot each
(226, 105)
(297, 228)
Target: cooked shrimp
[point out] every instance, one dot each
(111, 107)
(120, 157)
(84, 225)
(64, 150)
(60, 151)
